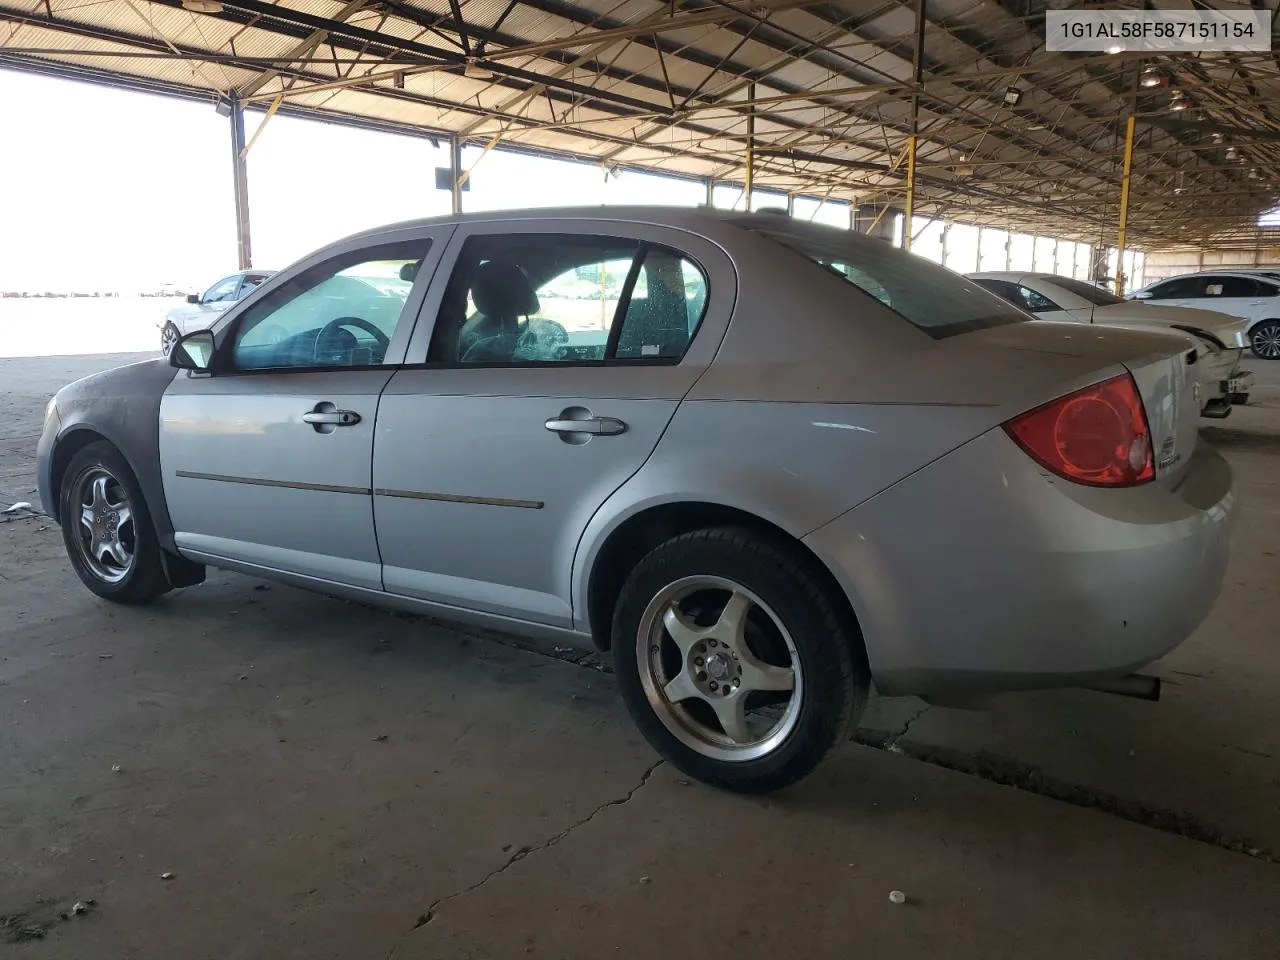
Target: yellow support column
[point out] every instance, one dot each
(1124, 205)
(911, 192)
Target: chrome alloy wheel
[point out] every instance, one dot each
(1265, 340)
(719, 668)
(168, 337)
(104, 534)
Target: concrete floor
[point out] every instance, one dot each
(324, 780)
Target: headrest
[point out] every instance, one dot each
(503, 290)
(410, 270)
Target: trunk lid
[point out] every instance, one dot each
(1065, 358)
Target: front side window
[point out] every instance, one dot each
(542, 298)
(931, 298)
(223, 291)
(1180, 289)
(342, 313)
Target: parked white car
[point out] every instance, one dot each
(1253, 296)
(1219, 338)
(202, 309)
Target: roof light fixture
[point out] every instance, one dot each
(1012, 96)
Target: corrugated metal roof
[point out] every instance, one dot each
(661, 84)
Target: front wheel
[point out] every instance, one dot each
(1265, 340)
(734, 661)
(107, 529)
(169, 335)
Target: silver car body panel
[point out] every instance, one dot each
(463, 458)
(801, 402)
(248, 480)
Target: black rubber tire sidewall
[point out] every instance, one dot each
(1262, 326)
(832, 660)
(146, 580)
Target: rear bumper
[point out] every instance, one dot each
(981, 573)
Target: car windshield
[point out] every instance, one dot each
(931, 298)
(1086, 291)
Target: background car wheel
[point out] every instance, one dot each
(107, 529)
(734, 661)
(1265, 340)
(169, 335)
(1239, 399)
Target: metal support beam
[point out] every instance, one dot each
(711, 192)
(455, 173)
(240, 182)
(1124, 204)
(914, 137)
(979, 244)
(751, 147)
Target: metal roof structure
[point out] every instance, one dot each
(823, 96)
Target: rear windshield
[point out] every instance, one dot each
(935, 300)
(1086, 291)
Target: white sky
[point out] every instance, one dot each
(117, 191)
(124, 192)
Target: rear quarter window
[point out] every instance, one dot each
(929, 297)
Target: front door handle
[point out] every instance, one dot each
(335, 418)
(599, 426)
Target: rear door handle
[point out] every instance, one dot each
(337, 418)
(600, 426)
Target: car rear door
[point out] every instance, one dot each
(493, 452)
(1236, 296)
(267, 460)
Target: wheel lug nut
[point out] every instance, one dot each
(714, 685)
(697, 661)
(712, 643)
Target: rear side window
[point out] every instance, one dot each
(533, 299)
(1230, 287)
(929, 297)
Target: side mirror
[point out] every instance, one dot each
(193, 298)
(193, 352)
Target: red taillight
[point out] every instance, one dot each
(1098, 435)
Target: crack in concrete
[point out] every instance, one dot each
(522, 853)
(890, 742)
(1024, 776)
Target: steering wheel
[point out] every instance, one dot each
(488, 350)
(333, 326)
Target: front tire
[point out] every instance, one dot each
(169, 335)
(734, 660)
(107, 528)
(1264, 340)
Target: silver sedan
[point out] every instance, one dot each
(766, 464)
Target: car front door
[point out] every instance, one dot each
(556, 360)
(267, 459)
(1178, 292)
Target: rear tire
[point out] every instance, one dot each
(1264, 340)
(107, 528)
(731, 609)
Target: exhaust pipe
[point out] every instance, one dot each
(1136, 685)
